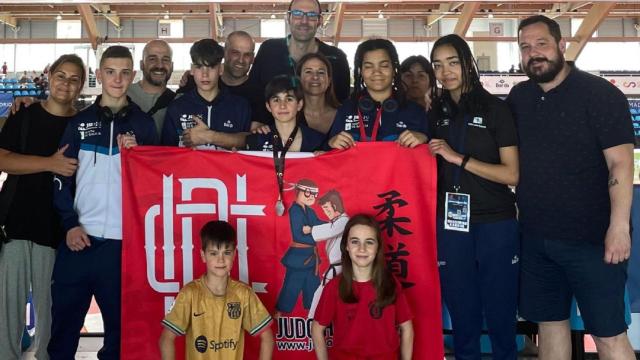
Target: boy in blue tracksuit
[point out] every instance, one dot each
(207, 116)
(90, 205)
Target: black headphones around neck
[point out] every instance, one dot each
(106, 115)
(366, 104)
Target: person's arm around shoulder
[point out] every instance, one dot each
(317, 334)
(617, 244)
(167, 344)
(406, 340)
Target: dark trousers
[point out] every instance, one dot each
(479, 280)
(77, 276)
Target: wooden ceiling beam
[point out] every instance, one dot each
(464, 21)
(337, 22)
(588, 26)
(90, 23)
(8, 20)
(214, 9)
(105, 11)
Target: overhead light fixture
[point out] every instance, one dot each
(166, 16)
(273, 16)
(490, 16)
(59, 17)
(380, 14)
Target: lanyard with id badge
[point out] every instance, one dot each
(457, 205)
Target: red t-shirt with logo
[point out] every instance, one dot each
(361, 330)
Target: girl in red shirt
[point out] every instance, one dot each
(370, 315)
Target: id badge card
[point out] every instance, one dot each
(457, 211)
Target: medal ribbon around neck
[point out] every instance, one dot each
(278, 161)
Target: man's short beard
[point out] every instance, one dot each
(547, 76)
(148, 78)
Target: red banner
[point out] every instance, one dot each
(169, 193)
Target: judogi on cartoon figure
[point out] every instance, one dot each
(301, 259)
(331, 232)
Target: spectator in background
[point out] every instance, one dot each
(24, 78)
(4, 68)
(418, 77)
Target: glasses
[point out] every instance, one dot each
(299, 14)
(309, 194)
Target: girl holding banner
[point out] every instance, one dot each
(475, 139)
(378, 109)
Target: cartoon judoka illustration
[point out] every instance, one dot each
(301, 259)
(331, 232)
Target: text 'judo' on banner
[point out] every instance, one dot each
(170, 193)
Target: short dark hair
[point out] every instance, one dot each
(217, 233)
(206, 52)
(283, 83)
(116, 52)
(552, 25)
(317, 2)
(424, 63)
(69, 59)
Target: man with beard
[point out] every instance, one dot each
(574, 195)
(279, 56)
(151, 93)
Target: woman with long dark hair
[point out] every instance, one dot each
(475, 140)
(320, 103)
(378, 109)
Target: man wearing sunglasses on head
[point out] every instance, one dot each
(279, 56)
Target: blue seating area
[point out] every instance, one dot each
(12, 86)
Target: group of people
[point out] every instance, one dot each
(564, 138)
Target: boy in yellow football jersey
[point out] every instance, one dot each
(215, 310)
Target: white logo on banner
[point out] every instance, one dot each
(170, 285)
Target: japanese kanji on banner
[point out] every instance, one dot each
(169, 193)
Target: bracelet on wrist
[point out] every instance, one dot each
(465, 160)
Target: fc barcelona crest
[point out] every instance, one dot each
(233, 310)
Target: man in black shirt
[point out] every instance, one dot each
(279, 56)
(574, 195)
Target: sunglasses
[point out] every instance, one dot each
(299, 14)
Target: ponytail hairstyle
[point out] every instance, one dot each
(381, 277)
(359, 86)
